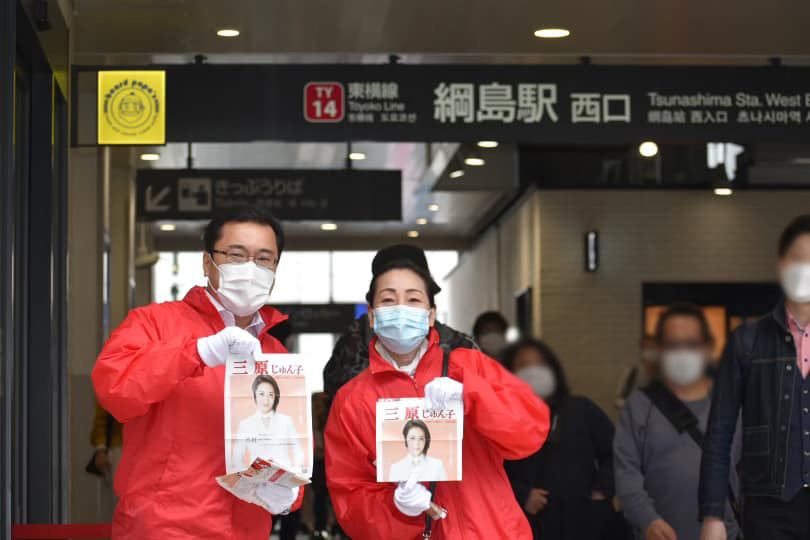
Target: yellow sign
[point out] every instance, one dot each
(132, 107)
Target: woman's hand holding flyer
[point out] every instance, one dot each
(442, 392)
(411, 498)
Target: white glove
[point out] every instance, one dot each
(411, 498)
(232, 341)
(277, 499)
(441, 392)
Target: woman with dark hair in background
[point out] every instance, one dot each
(565, 488)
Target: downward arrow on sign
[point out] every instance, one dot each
(155, 204)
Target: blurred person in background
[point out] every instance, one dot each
(639, 375)
(565, 488)
(489, 332)
(656, 454)
(350, 355)
(764, 372)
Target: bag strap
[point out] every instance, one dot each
(683, 420)
(428, 520)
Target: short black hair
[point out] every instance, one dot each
(490, 317)
(510, 355)
(799, 226)
(684, 309)
(213, 231)
(405, 264)
(267, 379)
(414, 423)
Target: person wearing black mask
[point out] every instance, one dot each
(565, 488)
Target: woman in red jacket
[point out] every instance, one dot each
(503, 419)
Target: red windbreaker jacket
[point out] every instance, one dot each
(503, 419)
(150, 377)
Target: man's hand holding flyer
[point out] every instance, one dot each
(268, 427)
(413, 440)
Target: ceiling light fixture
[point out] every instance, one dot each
(413, 234)
(168, 227)
(433, 207)
(357, 156)
(329, 226)
(552, 33)
(227, 32)
(150, 157)
(648, 149)
(421, 221)
(474, 161)
(458, 173)
(723, 191)
(488, 144)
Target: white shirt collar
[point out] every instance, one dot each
(410, 369)
(256, 325)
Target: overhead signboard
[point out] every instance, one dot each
(294, 194)
(510, 103)
(132, 107)
(540, 104)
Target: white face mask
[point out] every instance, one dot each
(492, 343)
(244, 287)
(796, 282)
(540, 378)
(683, 367)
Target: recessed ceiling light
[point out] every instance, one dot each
(550, 33)
(648, 149)
(421, 221)
(433, 207)
(150, 157)
(329, 226)
(800, 161)
(474, 161)
(488, 144)
(413, 234)
(458, 173)
(168, 227)
(723, 191)
(227, 32)
(356, 156)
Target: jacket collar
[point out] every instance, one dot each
(378, 364)
(198, 300)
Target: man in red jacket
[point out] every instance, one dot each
(503, 419)
(162, 375)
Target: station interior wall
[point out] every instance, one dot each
(594, 320)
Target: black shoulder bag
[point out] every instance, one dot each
(683, 420)
(428, 520)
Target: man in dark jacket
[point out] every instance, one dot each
(765, 372)
(350, 355)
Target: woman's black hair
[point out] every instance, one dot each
(684, 309)
(431, 288)
(213, 231)
(510, 355)
(796, 228)
(267, 379)
(410, 424)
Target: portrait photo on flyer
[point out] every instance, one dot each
(268, 414)
(415, 440)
